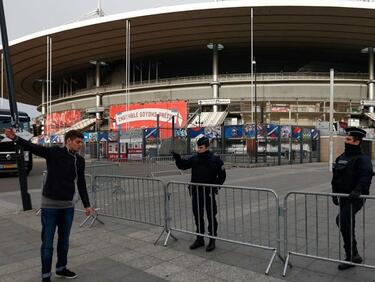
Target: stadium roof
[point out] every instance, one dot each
(345, 26)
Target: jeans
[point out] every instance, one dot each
(63, 220)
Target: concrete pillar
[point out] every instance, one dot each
(215, 70)
(371, 76)
(97, 83)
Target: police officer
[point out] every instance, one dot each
(352, 174)
(205, 168)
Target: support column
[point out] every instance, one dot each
(97, 84)
(215, 47)
(371, 76)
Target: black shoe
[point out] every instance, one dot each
(211, 246)
(66, 273)
(344, 266)
(199, 242)
(46, 279)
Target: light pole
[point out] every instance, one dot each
(255, 110)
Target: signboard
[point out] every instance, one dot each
(368, 103)
(211, 102)
(61, 120)
(95, 110)
(145, 115)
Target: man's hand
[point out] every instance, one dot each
(10, 133)
(335, 200)
(175, 155)
(89, 211)
(354, 195)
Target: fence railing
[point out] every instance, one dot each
(307, 225)
(131, 198)
(241, 215)
(312, 225)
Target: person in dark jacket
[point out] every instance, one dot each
(206, 168)
(352, 174)
(65, 172)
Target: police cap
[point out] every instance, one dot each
(355, 132)
(203, 141)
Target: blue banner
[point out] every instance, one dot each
(233, 131)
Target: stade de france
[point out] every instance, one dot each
(220, 63)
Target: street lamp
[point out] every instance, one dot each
(255, 110)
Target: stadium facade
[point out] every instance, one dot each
(163, 55)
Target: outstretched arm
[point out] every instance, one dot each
(33, 148)
(182, 163)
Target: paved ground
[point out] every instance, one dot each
(124, 251)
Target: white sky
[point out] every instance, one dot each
(24, 17)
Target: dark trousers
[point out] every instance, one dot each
(204, 197)
(52, 218)
(346, 222)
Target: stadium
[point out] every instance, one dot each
(216, 63)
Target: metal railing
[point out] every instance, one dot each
(163, 166)
(131, 198)
(312, 225)
(241, 215)
(241, 77)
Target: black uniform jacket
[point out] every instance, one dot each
(352, 171)
(205, 168)
(63, 168)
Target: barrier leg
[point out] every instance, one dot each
(271, 261)
(169, 234)
(286, 264)
(94, 217)
(161, 234)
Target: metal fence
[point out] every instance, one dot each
(131, 198)
(310, 228)
(246, 216)
(163, 166)
(102, 168)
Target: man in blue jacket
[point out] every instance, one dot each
(352, 174)
(65, 172)
(206, 168)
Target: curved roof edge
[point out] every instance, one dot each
(197, 6)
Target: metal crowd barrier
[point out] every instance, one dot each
(310, 228)
(163, 166)
(246, 216)
(102, 168)
(78, 206)
(131, 198)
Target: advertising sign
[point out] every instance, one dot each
(273, 131)
(213, 132)
(61, 120)
(233, 131)
(145, 115)
(195, 131)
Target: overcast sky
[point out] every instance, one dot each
(24, 17)
(28, 16)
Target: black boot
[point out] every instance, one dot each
(211, 246)
(356, 259)
(199, 242)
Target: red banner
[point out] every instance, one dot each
(61, 120)
(144, 115)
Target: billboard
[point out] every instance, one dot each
(61, 120)
(145, 115)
